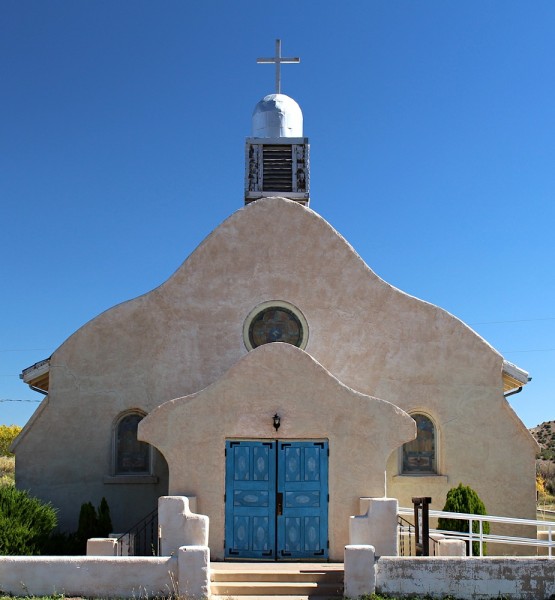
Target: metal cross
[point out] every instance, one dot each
(277, 59)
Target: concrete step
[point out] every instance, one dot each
(294, 597)
(227, 597)
(275, 588)
(274, 580)
(327, 576)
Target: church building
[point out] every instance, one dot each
(275, 380)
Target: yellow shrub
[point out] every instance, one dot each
(8, 433)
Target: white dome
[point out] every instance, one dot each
(277, 115)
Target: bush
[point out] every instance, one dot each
(104, 519)
(92, 523)
(25, 522)
(8, 433)
(463, 499)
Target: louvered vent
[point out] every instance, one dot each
(277, 168)
(280, 167)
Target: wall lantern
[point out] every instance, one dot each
(277, 421)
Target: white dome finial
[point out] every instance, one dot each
(277, 116)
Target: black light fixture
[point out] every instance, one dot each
(277, 421)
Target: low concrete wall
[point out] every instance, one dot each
(467, 578)
(436, 577)
(95, 576)
(185, 574)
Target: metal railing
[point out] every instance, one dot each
(407, 539)
(142, 538)
(482, 538)
(406, 534)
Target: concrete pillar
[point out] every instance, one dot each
(126, 543)
(102, 547)
(193, 569)
(360, 576)
(178, 526)
(377, 526)
(451, 547)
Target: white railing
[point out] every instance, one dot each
(482, 537)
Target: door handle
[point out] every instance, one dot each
(279, 503)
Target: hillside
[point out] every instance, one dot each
(545, 436)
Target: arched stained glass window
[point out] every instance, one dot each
(131, 456)
(419, 456)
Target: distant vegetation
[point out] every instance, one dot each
(545, 436)
(8, 433)
(545, 462)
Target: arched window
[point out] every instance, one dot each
(419, 456)
(131, 457)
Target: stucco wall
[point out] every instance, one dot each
(184, 335)
(312, 404)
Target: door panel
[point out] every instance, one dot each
(276, 500)
(302, 528)
(250, 499)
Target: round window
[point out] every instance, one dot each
(275, 322)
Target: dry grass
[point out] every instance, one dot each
(7, 470)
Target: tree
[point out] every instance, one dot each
(92, 523)
(8, 433)
(25, 522)
(104, 519)
(463, 499)
(88, 523)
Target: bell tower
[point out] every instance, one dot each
(277, 154)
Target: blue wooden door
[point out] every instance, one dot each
(276, 503)
(302, 498)
(250, 500)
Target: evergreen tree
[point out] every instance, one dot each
(88, 526)
(104, 519)
(463, 499)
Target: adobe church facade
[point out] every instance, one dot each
(277, 380)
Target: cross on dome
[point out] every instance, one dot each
(278, 60)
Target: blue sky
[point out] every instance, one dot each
(431, 124)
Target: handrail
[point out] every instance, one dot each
(482, 537)
(144, 534)
(406, 527)
(490, 518)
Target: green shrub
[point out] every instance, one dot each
(88, 522)
(463, 499)
(104, 519)
(92, 523)
(25, 522)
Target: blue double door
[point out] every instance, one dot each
(276, 502)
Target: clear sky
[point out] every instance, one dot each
(431, 124)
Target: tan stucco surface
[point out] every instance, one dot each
(186, 334)
(278, 378)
